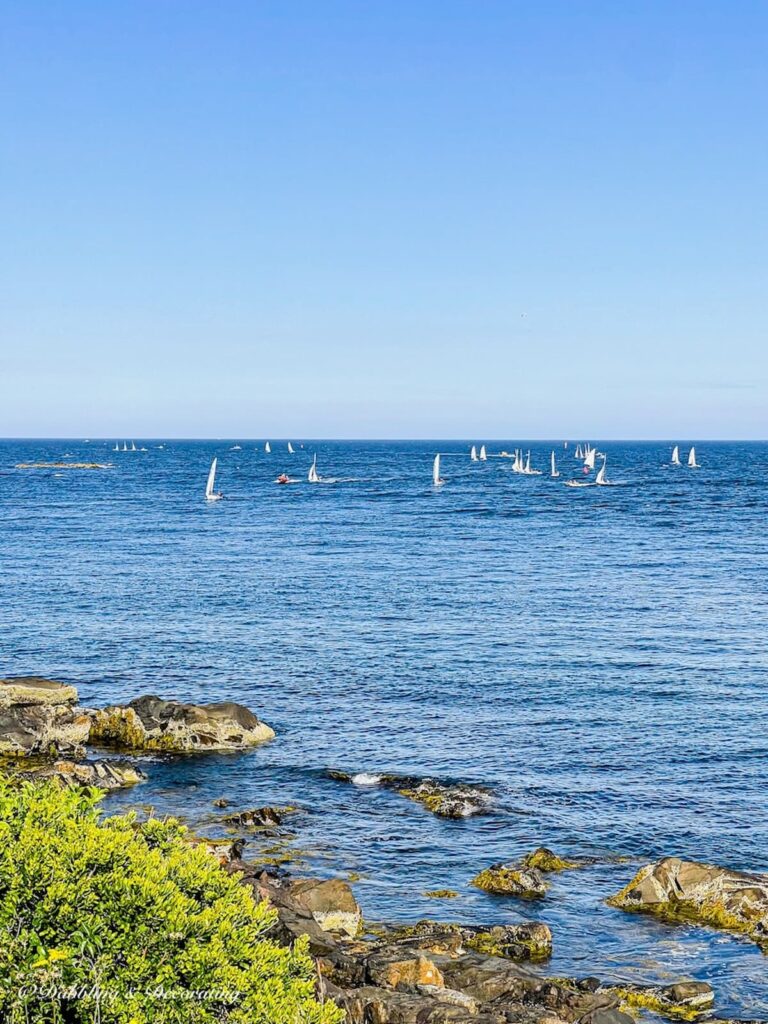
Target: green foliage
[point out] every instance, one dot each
(112, 921)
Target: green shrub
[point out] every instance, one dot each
(112, 921)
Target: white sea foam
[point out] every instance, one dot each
(365, 779)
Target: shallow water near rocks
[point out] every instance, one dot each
(597, 655)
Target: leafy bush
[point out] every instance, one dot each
(112, 921)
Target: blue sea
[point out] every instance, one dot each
(597, 655)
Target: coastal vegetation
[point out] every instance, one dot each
(125, 922)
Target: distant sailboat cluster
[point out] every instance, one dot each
(584, 452)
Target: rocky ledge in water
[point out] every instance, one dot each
(433, 973)
(38, 716)
(524, 878)
(102, 774)
(151, 723)
(679, 890)
(529, 940)
(259, 817)
(445, 799)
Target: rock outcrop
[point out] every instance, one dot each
(444, 799)
(330, 902)
(512, 880)
(529, 940)
(684, 1000)
(38, 716)
(258, 817)
(102, 774)
(679, 890)
(151, 723)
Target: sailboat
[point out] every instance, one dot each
(236, 448)
(473, 454)
(517, 465)
(600, 478)
(589, 458)
(436, 472)
(676, 456)
(116, 448)
(553, 467)
(483, 456)
(312, 476)
(125, 446)
(267, 448)
(133, 446)
(210, 494)
(692, 463)
(290, 448)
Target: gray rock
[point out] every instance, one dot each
(106, 775)
(39, 728)
(150, 723)
(30, 691)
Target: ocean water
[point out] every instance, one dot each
(597, 655)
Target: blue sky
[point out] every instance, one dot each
(430, 218)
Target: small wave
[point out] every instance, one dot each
(366, 779)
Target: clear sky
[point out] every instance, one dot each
(413, 218)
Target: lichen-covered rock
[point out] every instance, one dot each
(444, 799)
(258, 817)
(546, 861)
(30, 691)
(48, 729)
(106, 775)
(511, 880)
(225, 851)
(679, 890)
(330, 902)
(685, 1000)
(150, 723)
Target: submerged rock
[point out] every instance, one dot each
(38, 716)
(150, 723)
(546, 861)
(445, 799)
(106, 775)
(685, 1000)
(259, 817)
(679, 890)
(529, 940)
(511, 880)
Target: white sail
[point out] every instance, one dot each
(483, 455)
(600, 478)
(290, 448)
(528, 464)
(589, 459)
(133, 446)
(473, 454)
(577, 454)
(553, 465)
(125, 446)
(210, 494)
(676, 456)
(312, 476)
(436, 471)
(116, 448)
(693, 464)
(267, 448)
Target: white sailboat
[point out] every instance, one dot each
(600, 478)
(290, 448)
(553, 466)
(589, 458)
(267, 448)
(210, 494)
(236, 448)
(473, 454)
(125, 446)
(483, 455)
(312, 476)
(676, 456)
(133, 446)
(692, 463)
(436, 472)
(116, 448)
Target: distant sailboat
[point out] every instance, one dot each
(312, 476)
(290, 448)
(517, 465)
(210, 494)
(267, 448)
(133, 446)
(589, 458)
(436, 472)
(676, 456)
(125, 446)
(553, 467)
(116, 448)
(473, 454)
(235, 448)
(692, 463)
(483, 455)
(600, 478)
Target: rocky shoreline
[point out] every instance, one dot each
(424, 973)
